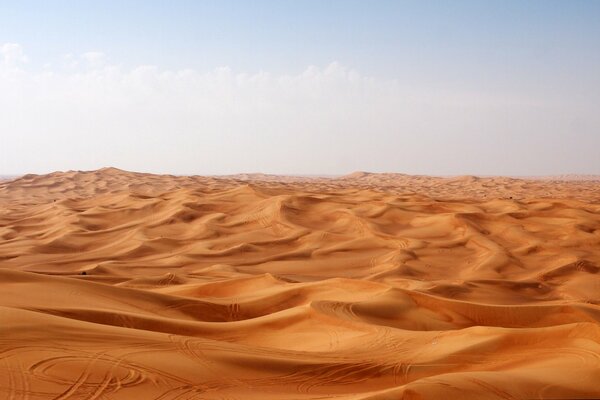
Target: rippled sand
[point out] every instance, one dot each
(117, 285)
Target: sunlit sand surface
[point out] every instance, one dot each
(118, 285)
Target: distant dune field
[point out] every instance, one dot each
(120, 285)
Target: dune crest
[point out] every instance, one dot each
(123, 285)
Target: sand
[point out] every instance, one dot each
(119, 285)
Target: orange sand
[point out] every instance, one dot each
(369, 286)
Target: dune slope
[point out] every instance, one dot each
(120, 285)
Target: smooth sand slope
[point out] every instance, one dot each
(117, 285)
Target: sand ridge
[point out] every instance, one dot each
(121, 285)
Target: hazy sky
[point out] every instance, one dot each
(304, 87)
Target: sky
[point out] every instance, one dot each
(301, 87)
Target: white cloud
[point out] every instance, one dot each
(12, 55)
(94, 58)
(327, 119)
(70, 61)
(90, 59)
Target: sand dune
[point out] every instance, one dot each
(120, 285)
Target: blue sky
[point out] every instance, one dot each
(301, 86)
(386, 38)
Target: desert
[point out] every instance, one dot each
(123, 285)
(300, 200)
